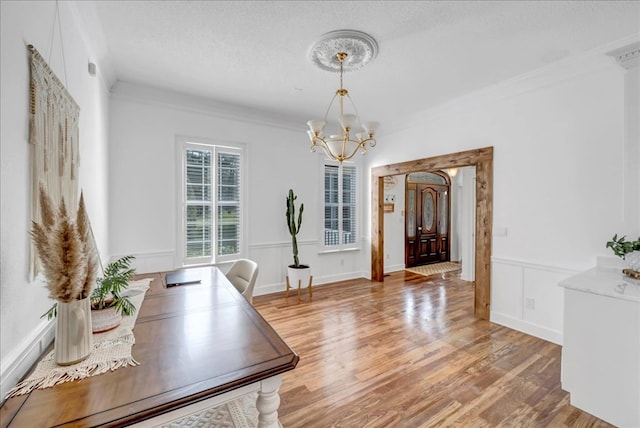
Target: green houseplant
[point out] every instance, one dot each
(108, 291)
(298, 274)
(108, 303)
(629, 251)
(621, 247)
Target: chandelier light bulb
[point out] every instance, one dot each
(316, 125)
(370, 128)
(347, 121)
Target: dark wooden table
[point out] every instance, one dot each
(198, 345)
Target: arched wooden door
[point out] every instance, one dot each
(427, 225)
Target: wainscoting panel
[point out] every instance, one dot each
(17, 363)
(273, 259)
(526, 297)
(506, 290)
(326, 267)
(543, 298)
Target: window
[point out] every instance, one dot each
(210, 211)
(340, 205)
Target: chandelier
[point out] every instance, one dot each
(348, 134)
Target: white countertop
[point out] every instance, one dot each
(605, 281)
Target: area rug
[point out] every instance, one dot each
(434, 269)
(239, 413)
(111, 350)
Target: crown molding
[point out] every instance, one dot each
(151, 95)
(627, 56)
(551, 74)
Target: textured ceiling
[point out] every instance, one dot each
(254, 53)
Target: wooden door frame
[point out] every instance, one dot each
(482, 159)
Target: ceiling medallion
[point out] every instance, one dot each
(360, 47)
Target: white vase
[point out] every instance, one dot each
(632, 260)
(73, 332)
(299, 276)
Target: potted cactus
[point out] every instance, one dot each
(298, 274)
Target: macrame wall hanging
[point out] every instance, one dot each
(53, 140)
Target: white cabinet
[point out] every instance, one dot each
(601, 345)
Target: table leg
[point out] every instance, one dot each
(268, 402)
(288, 285)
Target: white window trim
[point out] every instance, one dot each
(182, 143)
(325, 249)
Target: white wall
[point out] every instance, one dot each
(23, 333)
(394, 257)
(144, 125)
(558, 138)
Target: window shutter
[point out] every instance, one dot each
(228, 205)
(198, 208)
(340, 209)
(349, 205)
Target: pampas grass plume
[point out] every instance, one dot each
(84, 230)
(61, 245)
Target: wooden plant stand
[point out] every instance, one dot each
(299, 286)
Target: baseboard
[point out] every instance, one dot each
(394, 268)
(527, 327)
(17, 364)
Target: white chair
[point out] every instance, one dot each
(242, 275)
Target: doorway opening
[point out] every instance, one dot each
(427, 226)
(482, 159)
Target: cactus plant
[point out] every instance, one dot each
(293, 224)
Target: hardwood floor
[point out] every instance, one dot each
(408, 352)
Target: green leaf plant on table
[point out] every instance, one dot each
(629, 251)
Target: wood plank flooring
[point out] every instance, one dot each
(408, 352)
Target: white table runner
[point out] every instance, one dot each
(111, 350)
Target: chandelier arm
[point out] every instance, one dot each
(345, 140)
(328, 151)
(314, 144)
(326, 114)
(356, 112)
(356, 147)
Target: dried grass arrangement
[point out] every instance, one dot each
(66, 251)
